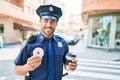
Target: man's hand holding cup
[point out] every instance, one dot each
(71, 62)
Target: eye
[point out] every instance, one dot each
(45, 20)
(53, 21)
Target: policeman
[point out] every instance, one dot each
(43, 55)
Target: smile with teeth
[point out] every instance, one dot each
(48, 29)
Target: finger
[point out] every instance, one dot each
(73, 64)
(72, 68)
(33, 57)
(35, 61)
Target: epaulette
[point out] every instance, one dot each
(59, 38)
(29, 40)
(32, 39)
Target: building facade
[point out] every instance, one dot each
(103, 20)
(18, 19)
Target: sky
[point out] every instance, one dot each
(73, 6)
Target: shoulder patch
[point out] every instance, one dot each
(58, 38)
(32, 39)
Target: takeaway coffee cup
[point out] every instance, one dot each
(70, 57)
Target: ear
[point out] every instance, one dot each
(56, 22)
(40, 19)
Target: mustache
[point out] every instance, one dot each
(48, 27)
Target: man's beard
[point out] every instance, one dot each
(48, 33)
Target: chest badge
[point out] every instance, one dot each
(59, 44)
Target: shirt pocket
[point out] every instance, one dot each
(59, 55)
(59, 51)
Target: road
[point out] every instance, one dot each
(92, 64)
(7, 56)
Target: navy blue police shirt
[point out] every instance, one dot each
(60, 50)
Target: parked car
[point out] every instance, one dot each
(72, 38)
(63, 35)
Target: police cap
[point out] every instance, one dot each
(49, 11)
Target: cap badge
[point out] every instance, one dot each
(51, 8)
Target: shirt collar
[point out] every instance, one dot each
(42, 38)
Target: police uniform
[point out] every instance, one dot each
(59, 44)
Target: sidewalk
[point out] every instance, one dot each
(9, 51)
(95, 54)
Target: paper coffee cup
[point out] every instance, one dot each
(70, 57)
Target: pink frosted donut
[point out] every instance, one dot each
(38, 52)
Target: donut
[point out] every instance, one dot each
(38, 52)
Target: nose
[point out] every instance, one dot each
(49, 23)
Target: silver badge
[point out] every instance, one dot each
(51, 8)
(60, 44)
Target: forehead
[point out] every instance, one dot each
(49, 19)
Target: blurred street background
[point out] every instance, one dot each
(90, 27)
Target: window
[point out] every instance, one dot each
(1, 28)
(100, 30)
(33, 11)
(117, 36)
(27, 9)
